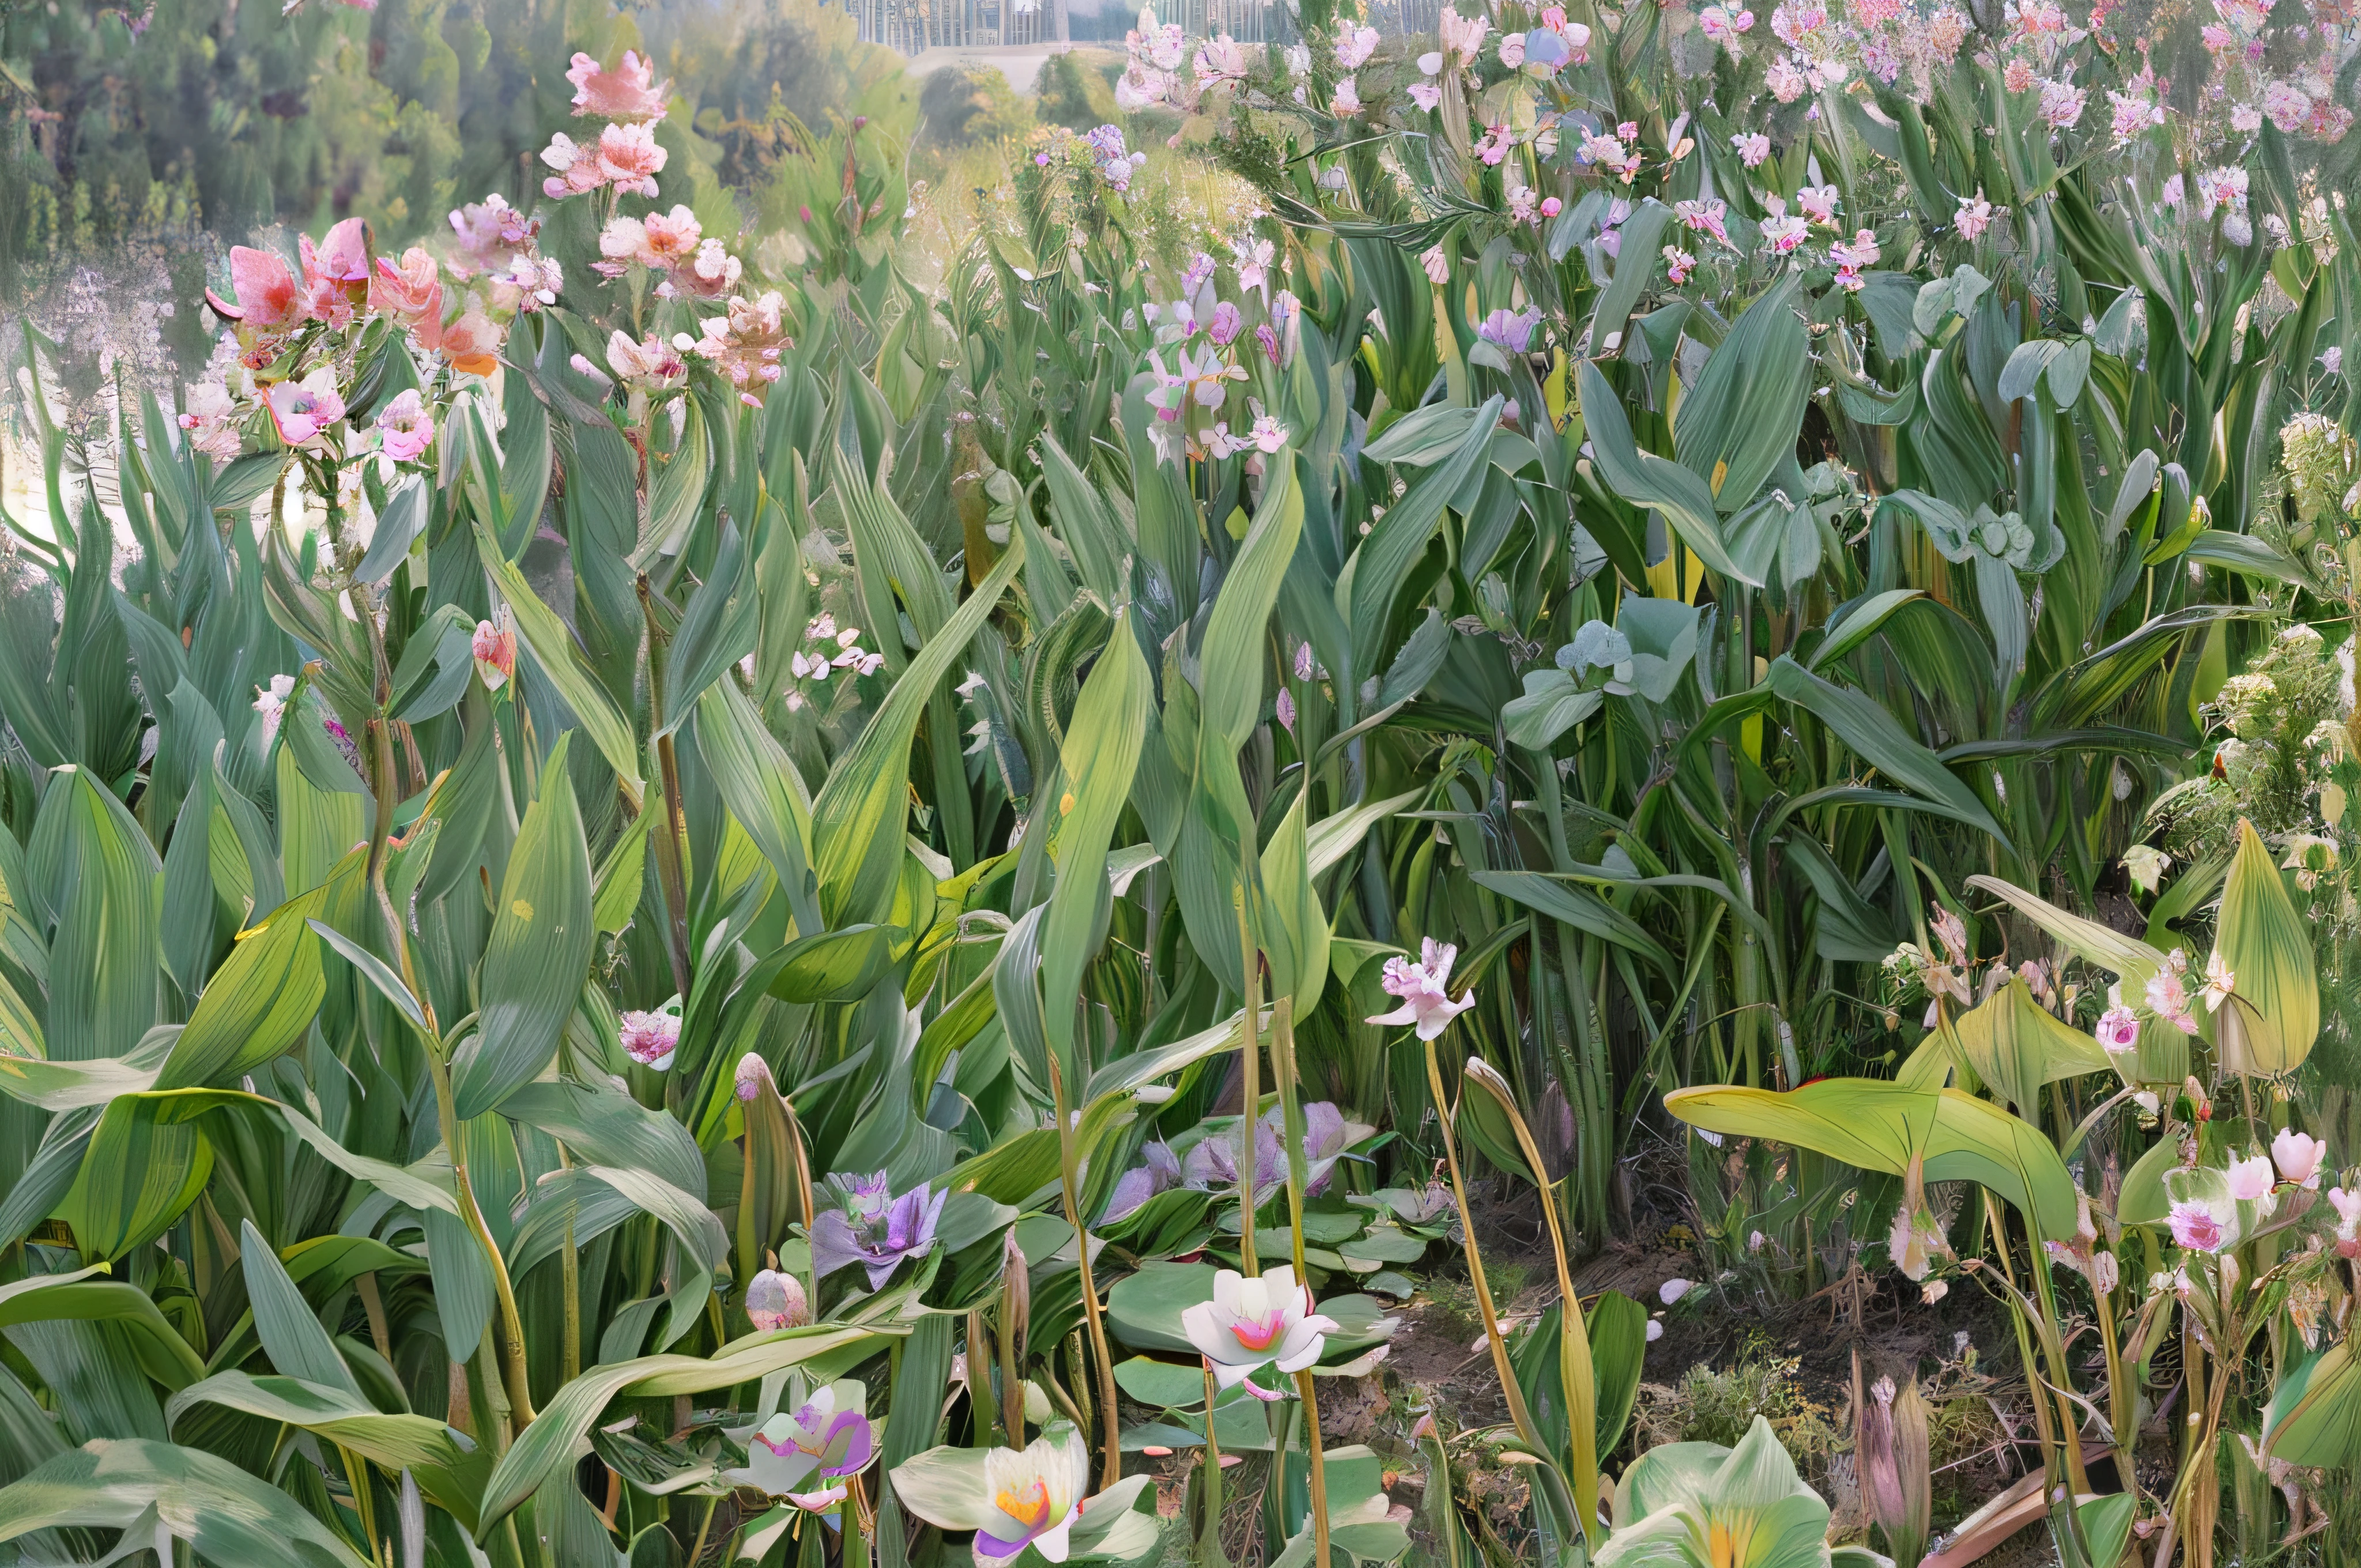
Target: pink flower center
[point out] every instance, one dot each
(1259, 1333)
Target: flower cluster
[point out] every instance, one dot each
(833, 649)
(625, 156)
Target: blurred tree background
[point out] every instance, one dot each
(136, 145)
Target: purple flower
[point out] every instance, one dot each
(1286, 709)
(1510, 330)
(1212, 1165)
(1138, 1185)
(874, 1228)
(1225, 324)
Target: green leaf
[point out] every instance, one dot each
(2314, 1415)
(539, 952)
(1580, 908)
(224, 1513)
(1877, 738)
(758, 784)
(549, 1441)
(553, 648)
(2267, 1025)
(1647, 480)
(1293, 926)
(145, 1166)
(373, 969)
(162, 1354)
(837, 966)
(290, 1334)
(1098, 755)
(450, 1469)
(1860, 621)
(1552, 704)
(1744, 412)
(2131, 961)
(91, 869)
(858, 821)
(259, 1002)
(1392, 548)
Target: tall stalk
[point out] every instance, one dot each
(1070, 1178)
(1291, 1101)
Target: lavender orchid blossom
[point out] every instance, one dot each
(1212, 1165)
(1161, 1173)
(804, 1453)
(871, 1227)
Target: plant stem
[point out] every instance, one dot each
(670, 856)
(1509, 1389)
(1319, 1464)
(1209, 1537)
(1250, 1094)
(1282, 1063)
(1069, 1176)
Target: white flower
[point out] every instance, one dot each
(2146, 865)
(270, 701)
(1672, 1291)
(1251, 1323)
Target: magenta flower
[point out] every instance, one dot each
(404, 427)
(650, 1038)
(874, 1228)
(303, 410)
(2119, 1030)
(2194, 1226)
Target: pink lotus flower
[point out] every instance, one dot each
(2298, 1158)
(627, 92)
(2195, 1227)
(650, 1039)
(2251, 1179)
(410, 291)
(629, 159)
(495, 651)
(1424, 989)
(404, 427)
(304, 410)
(2119, 1030)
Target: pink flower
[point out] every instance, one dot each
(210, 420)
(1285, 709)
(1752, 146)
(1552, 206)
(2194, 1226)
(1254, 257)
(1703, 217)
(489, 233)
(2299, 1156)
(269, 301)
(577, 167)
(626, 93)
(1781, 232)
(651, 366)
(1973, 218)
(495, 650)
(532, 281)
(650, 1039)
(2348, 1220)
(336, 272)
(1512, 49)
(1425, 94)
(410, 291)
(2251, 1179)
(2061, 104)
(1786, 82)
(303, 410)
(744, 344)
(1355, 46)
(629, 159)
(1819, 203)
(777, 1300)
(2168, 998)
(1347, 100)
(2119, 1030)
(1678, 264)
(1424, 989)
(404, 429)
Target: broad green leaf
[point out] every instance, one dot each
(1098, 756)
(837, 966)
(1294, 923)
(1392, 546)
(449, 1467)
(759, 783)
(1579, 907)
(2016, 1046)
(859, 820)
(1881, 742)
(224, 1513)
(553, 648)
(539, 953)
(259, 1002)
(1330, 840)
(1647, 480)
(290, 1333)
(1742, 413)
(2267, 1025)
(90, 868)
(1859, 622)
(549, 1441)
(2314, 1415)
(145, 1166)
(597, 1123)
(2130, 960)
(162, 1354)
